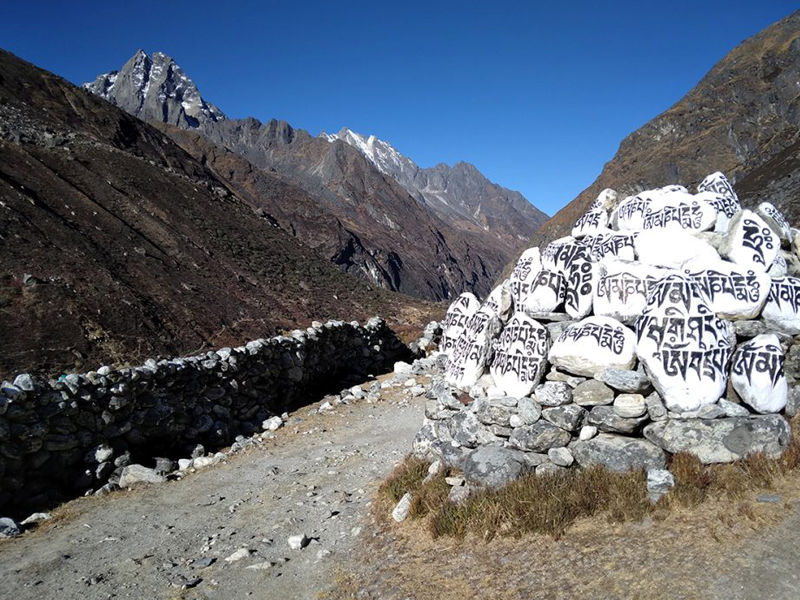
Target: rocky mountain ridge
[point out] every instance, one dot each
(459, 193)
(370, 223)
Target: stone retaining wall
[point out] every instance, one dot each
(67, 437)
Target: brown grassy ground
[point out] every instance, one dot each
(589, 535)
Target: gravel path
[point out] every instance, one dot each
(223, 533)
(172, 540)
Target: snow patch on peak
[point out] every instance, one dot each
(382, 154)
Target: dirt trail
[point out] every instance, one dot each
(316, 479)
(318, 476)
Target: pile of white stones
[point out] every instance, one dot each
(659, 326)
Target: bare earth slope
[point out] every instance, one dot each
(117, 245)
(742, 118)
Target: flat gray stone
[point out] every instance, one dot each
(749, 329)
(553, 393)
(539, 437)
(605, 419)
(568, 417)
(133, 474)
(722, 440)
(561, 456)
(593, 393)
(631, 382)
(618, 453)
(731, 409)
(493, 466)
(655, 407)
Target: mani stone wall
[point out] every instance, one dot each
(66, 437)
(667, 322)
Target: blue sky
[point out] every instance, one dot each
(537, 95)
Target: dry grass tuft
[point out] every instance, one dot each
(406, 477)
(429, 497)
(550, 504)
(545, 504)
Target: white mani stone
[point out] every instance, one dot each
(779, 267)
(679, 211)
(593, 345)
(684, 346)
(543, 293)
(580, 287)
(458, 315)
(717, 191)
(671, 249)
(610, 244)
(750, 242)
(525, 269)
(725, 206)
(473, 349)
(606, 200)
(776, 221)
(796, 242)
(719, 184)
(730, 291)
(499, 300)
(560, 254)
(593, 221)
(757, 374)
(782, 308)
(621, 288)
(629, 215)
(520, 356)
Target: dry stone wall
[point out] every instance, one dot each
(73, 435)
(665, 323)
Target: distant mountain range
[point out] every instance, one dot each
(459, 194)
(431, 233)
(742, 118)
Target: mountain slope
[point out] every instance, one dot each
(116, 245)
(372, 226)
(459, 194)
(742, 118)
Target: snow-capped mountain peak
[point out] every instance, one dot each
(382, 154)
(460, 192)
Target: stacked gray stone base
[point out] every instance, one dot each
(494, 440)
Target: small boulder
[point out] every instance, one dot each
(618, 453)
(553, 393)
(8, 528)
(400, 511)
(593, 393)
(630, 406)
(493, 466)
(133, 474)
